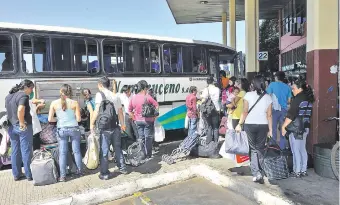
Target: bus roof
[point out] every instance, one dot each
(15, 26)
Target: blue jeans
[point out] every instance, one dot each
(300, 156)
(106, 138)
(22, 149)
(64, 135)
(192, 126)
(146, 132)
(278, 118)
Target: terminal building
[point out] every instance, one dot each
(309, 33)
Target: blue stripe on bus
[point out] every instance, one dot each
(176, 111)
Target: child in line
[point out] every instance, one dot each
(230, 100)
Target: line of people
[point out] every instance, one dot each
(66, 112)
(274, 108)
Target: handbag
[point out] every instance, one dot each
(236, 142)
(148, 109)
(297, 126)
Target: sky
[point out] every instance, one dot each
(151, 17)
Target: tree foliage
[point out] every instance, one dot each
(269, 41)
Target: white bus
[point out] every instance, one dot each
(51, 56)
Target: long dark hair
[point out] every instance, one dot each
(65, 92)
(24, 84)
(306, 89)
(245, 84)
(258, 84)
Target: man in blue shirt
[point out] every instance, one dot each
(281, 94)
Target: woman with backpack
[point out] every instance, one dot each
(213, 93)
(257, 120)
(68, 116)
(145, 125)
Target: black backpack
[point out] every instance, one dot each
(107, 117)
(207, 106)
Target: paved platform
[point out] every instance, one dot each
(91, 190)
(196, 191)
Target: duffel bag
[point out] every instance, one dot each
(275, 163)
(44, 170)
(205, 150)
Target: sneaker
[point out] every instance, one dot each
(20, 177)
(295, 175)
(79, 173)
(304, 174)
(123, 171)
(29, 179)
(62, 179)
(258, 179)
(104, 177)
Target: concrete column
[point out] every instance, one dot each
(232, 23)
(322, 53)
(252, 30)
(224, 28)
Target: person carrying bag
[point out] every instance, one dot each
(257, 124)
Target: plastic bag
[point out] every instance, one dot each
(91, 158)
(159, 132)
(4, 142)
(186, 122)
(236, 142)
(240, 160)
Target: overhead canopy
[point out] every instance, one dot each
(197, 11)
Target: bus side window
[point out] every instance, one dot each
(92, 55)
(36, 58)
(6, 53)
(113, 56)
(199, 60)
(79, 55)
(61, 52)
(172, 59)
(187, 59)
(155, 60)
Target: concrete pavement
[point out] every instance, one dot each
(91, 190)
(196, 191)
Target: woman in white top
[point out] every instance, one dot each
(213, 119)
(257, 124)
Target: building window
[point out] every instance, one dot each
(293, 15)
(294, 59)
(6, 53)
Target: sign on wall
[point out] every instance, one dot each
(262, 56)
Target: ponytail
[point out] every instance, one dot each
(306, 89)
(23, 84)
(65, 92)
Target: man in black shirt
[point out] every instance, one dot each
(20, 129)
